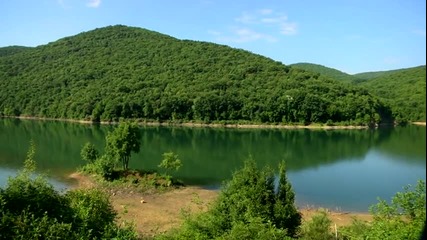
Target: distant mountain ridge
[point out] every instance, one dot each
(126, 72)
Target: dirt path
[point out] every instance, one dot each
(158, 213)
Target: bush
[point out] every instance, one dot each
(317, 228)
(89, 153)
(403, 218)
(248, 204)
(92, 211)
(30, 208)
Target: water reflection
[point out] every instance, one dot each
(322, 164)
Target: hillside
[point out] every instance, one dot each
(326, 71)
(125, 72)
(10, 50)
(371, 75)
(404, 90)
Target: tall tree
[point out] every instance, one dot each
(121, 142)
(285, 211)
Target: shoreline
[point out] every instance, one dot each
(153, 214)
(156, 213)
(198, 125)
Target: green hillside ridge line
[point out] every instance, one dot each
(119, 72)
(403, 90)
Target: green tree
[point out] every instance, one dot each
(170, 162)
(89, 153)
(286, 213)
(248, 207)
(122, 141)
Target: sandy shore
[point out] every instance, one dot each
(158, 213)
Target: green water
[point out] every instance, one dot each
(338, 169)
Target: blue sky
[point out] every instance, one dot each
(350, 35)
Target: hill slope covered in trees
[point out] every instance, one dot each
(326, 71)
(404, 90)
(125, 72)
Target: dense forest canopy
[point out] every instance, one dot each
(403, 90)
(5, 51)
(126, 72)
(322, 70)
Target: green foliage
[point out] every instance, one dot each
(403, 90)
(122, 141)
(89, 153)
(170, 162)
(318, 228)
(403, 218)
(124, 72)
(30, 208)
(248, 205)
(104, 166)
(30, 163)
(326, 71)
(92, 210)
(255, 229)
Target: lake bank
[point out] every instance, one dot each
(200, 125)
(157, 213)
(213, 125)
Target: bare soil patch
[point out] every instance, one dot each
(154, 213)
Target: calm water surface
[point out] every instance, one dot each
(338, 169)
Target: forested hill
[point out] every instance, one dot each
(126, 72)
(327, 71)
(5, 51)
(371, 75)
(404, 90)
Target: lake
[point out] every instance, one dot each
(338, 169)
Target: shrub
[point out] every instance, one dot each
(317, 228)
(248, 204)
(89, 153)
(403, 218)
(92, 211)
(30, 208)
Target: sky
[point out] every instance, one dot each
(352, 36)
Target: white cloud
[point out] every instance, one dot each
(246, 18)
(242, 35)
(268, 18)
(288, 28)
(265, 11)
(93, 3)
(263, 24)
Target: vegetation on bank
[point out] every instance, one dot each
(30, 208)
(124, 140)
(255, 204)
(259, 204)
(123, 72)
